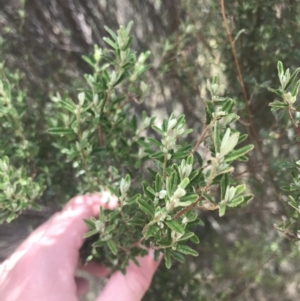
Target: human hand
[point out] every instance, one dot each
(44, 266)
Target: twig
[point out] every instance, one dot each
(200, 140)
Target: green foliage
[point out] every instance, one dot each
(241, 255)
(288, 92)
(108, 149)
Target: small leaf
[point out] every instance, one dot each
(224, 184)
(89, 223)
(207, 197)
(292, 78)
(177, 256)
(217, 137)
(227, 106)
(158, 130)
(151, 230)
(222, 209)
(186, 236)
(242, 138)
(68, 105)
(277, 105)
(111, 43)
(60, 131)
(235, 201)
(157, 155)
(235, 154)
(186, 250)
(167, 256)
(154, 142)
(188, 200)
(90, 233)
(113, 35)
(195, 239)
(158, 183)
(173, 225)
(240, 189)
(145, 207)
(112, 246)
(280, 68)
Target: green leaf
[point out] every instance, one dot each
(151, 190)
(222, 209)
(292, 78)
(157, 155)
(145, 207)
(190, 160)
(185, 182)
(158, 130)
(240, 189)
(177, 256)
(151, 230)
(111, 43)
(186, 236)
(113, 35)
(137, 221)
(280, 68)
(276, 91)
(167, 256)
(112, 246)
(173, 225)
(158, 183)
(113, 190)
(227, 106)
(189, 199)
(217, 137)
(248, 198)
(277, 105)
(60, 131)
(154, 142)
(99, 244)
(235, 154)
(68, 105)
(235, 201)
(132, 199)
(88, 60)
(207, 197)
(242, 138)
(224, 184)
(195, 239)
(186, 250)
(89, 223)
(171, 183)
(91, 233)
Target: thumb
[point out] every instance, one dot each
(133, 285)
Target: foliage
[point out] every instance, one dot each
(241, 255)
(102, 144)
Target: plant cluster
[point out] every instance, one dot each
(161, 181)
(288, 91)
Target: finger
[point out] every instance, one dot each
(133, 285)
(82, 285)
(67, 227)
(95, 269)
(60, 238)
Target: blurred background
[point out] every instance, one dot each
(242, 255)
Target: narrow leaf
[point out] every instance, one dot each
(60, 131)
(90, 233)
(112, 246)
(235, 154)
(186, 250)
(167, 256)
(173, 225)
(145, 207)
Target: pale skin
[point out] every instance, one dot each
(43, 267)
